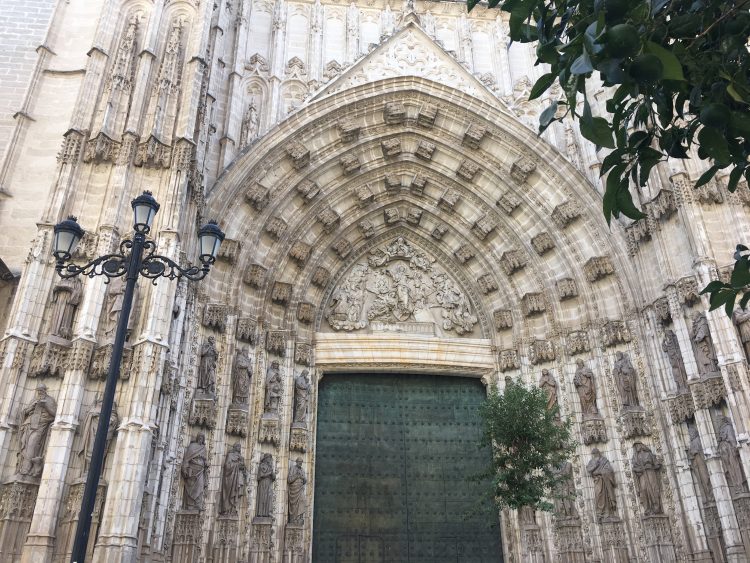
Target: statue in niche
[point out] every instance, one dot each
(705, 354)
(114, 304)
(352, 27)
(207, 368)
(671, 346)
(626, 378)
(741, 318)
(647, 468)
(387, 20)
(603, 474)
(233, 478)
(302, 388)
(250, 124)
(428, 23)
(273, 389)
(586, 387)
(37, 418)
(548, 384)
(730, 457)
(88, 435)
(266, 477)
(698, 464)
(241, 375)
(564, 501)
(296, 481)
(66, 296)
(194, 472)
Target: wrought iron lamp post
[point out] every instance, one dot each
(136, 258)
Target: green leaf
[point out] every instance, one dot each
(715, 145)
(614, 182)
(729, 306)
(671, 64)
(712, 286)
(735, 95)
(734, 178)
(582, 65)
(719, 298)
(598, 131)
(626, 205)
(741, 273)
(547, 116)
(745, 299)
(541, 85)
(706, 176)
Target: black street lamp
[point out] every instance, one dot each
(136, 257)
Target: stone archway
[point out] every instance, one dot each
(512, 226)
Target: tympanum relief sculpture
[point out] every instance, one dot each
(399, 283)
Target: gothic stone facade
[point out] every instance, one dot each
(388, 206)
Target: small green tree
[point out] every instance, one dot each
(528, 441)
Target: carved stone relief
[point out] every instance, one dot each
(399, 283)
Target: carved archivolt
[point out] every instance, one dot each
(399, 283)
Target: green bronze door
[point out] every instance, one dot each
(392, 460)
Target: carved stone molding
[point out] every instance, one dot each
(614, 333)
(542, 243)
(305, 312)
(80, 354)
(101, 359)
(418, 184)
(298, 439)
(101, 149)
(300, 252)
(483, 227)
(246, 329)
(342, 248)
(50, 358)
(521, 169)
(635, 234)
(17, 500)
(487, 284)
(320, 277)
(187, 531)
(426, 116)
(71, 147)
(391, 215)
(348, 129)
(503, 319)
(276, 342)
(708, 391)
(364, 195)
(657, 530)
(508, 202)
(269, 431)
(593, 431)
(425, 150)
(598, 267)
(281, 293)
(687, 291)
(275, 227)
(255, 276)
(394, 113)
(229, 250)
(577, 342)
(215, 316)
(449, 199)
(152, 153)
(508, 360)
(634, 424)
(299, 154)
(439, 231)
(350, 164)
(307, 189)
(329, 219)
(237, 420)
(663, 206)
(566, 288)
(258, 196)
(541, 351)
(680, 407)
(566, 213)
(203, 411)
(391, 147)
(464, 253)
(709, 192)
(467, 170)
(474, 135)
(513, 261)
(662, 311)
(532, 304)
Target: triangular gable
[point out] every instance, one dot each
(410, 52)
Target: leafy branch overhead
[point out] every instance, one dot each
(678, 75)
(529, 444)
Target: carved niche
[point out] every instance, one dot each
(399, 284)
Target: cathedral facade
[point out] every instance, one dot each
(399, 239)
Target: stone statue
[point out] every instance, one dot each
(730, 457)
(647, 467)
(88, 435)
(741, 318)
(626, 378)
(698, 465)
(565, 493)
(194, 472)
(387, 20)
(671, 346)
(66, 296)
(114, 304)
(241, 375)
(548, 384)
(234, 474)
(273, 389)
(586, 387)
(705, 354)
(37, 418)
(250, 124)
(301, 397)
(207, 367)
(266, 477)
(428, 23)
(296, 481)
(604, 486)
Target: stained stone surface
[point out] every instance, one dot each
(393, 458)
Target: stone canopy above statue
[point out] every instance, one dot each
(399, 287)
